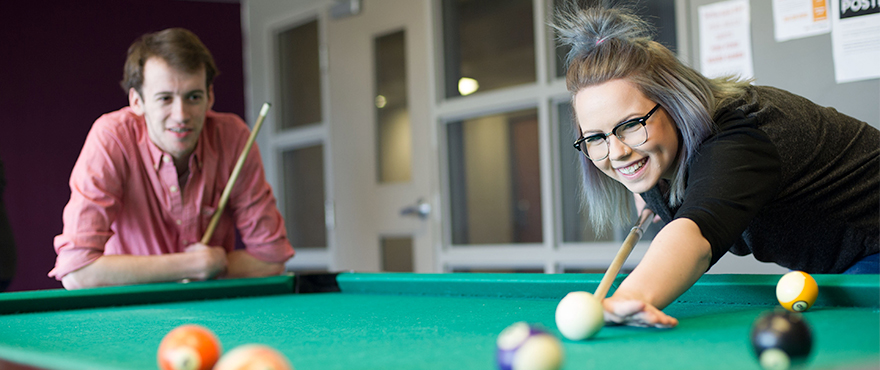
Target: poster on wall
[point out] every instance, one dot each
(794, 19)
(855, 39)
(725, 39)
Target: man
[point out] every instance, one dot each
(150, 176)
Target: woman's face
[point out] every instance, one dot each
(601, 107)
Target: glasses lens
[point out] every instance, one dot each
(632, 133)
(596, 148)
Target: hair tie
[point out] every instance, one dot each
(599, 41)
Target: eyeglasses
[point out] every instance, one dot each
(631, 132)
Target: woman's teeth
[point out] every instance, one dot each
(631, 169)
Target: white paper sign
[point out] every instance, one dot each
(855, 39)
(725, 39)
(794, 19)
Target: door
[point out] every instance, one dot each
(381, 138)
(373, 153)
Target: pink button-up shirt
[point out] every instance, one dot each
(125, 196)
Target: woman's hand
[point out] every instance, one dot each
(633, 312)
(640, 205)
(676, 259)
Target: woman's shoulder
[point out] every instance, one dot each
(772, 106)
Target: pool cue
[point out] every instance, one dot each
(235, 171)
(634, 235)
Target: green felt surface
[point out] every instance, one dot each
(391, 321)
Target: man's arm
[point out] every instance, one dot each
(199, 262)
(243, 264)
(257, 218)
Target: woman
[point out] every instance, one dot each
(726, 165)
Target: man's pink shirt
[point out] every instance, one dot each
(126, 199)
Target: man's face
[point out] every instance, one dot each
(174, 105)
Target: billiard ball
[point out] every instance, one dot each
(781, 340)
(526, 347)
(253, 357)
(579, 315)
(188, 347)
(797, 291)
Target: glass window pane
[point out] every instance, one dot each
(394, 144)
(659, 13)
(304, 197)
(300, 76)
(495, 179)
(488, 44)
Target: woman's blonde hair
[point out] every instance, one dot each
(609, 43)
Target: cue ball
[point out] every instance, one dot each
(579, 315)
(253, 357)
(781, 340)
(525, 347)
(797, 291)
(188, 347)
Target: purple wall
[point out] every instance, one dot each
(60, 68)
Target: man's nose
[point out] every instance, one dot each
(178, 110)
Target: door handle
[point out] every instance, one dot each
(421, 209)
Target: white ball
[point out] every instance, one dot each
(579, 315)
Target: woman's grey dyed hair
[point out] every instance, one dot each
(609, 43)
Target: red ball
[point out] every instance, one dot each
(188, 347)
(253, 357)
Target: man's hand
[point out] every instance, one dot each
(197, 262)
(243, 264)
(211, 261)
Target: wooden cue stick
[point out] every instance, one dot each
(235, 171)
(634, 235)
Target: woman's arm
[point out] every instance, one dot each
(677, 257)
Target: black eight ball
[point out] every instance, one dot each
(781, 340)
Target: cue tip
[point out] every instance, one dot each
(265, 110)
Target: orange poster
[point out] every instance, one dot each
(794, 19)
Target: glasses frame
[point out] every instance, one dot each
(640, 120)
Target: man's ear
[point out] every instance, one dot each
(136, 102)
(210, 96)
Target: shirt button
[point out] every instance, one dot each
(179, 222)
(166, 159)
(173, 188)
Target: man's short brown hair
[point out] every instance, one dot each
(178, 47)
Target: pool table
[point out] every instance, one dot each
(421, 321)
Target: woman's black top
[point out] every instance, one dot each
(786, 180)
